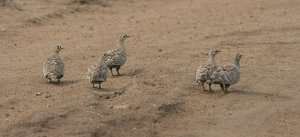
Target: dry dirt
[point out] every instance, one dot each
(157, 96)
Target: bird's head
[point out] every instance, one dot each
(123, 36)
(214, 52)
(58, 48)
(238, 57)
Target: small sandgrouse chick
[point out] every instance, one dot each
(98, 73)
(206, 70)
(117, 55)
(53, 66)
(227, 75)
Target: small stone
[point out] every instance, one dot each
(38, 94)
(159, 50)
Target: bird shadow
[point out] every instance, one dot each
(106, 93)
(196, 89)
(116, 76)
(257, 94)
(130, 74)
(135, 72)
(103, 89)
(65, 82)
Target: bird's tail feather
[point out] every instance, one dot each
(53, 77)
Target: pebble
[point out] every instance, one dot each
(38, 94)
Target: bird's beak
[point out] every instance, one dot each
(218, 51)
(128, 36)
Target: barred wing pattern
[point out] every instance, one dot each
(117, 55)
(204, 72)
(229, 74)
(97, 73)
(53, 65)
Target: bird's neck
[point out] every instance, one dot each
(120, 43)
(55, 52)
(211, 59)
(237, 62)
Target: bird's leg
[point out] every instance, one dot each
(93, 85)
(117, 69)
(111, 71)
(226, 86)
(58, 81)
(222, 87)
(209, 84)
(203, 87)
(99, 85)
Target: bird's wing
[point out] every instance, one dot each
(102, 72)
(53, 64)
(224, 74)
(113, 53)
(97, 73)
(204, 72)
(117, 55)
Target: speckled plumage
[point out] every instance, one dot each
(98, 73)
(118, 55)
(206, 70)
(227, 75)
(53, 66)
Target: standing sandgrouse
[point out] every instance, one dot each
(206, 70)
(53, 66)
(227, 75)
(98, 73)
(117, 55)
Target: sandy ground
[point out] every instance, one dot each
(157, 96)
